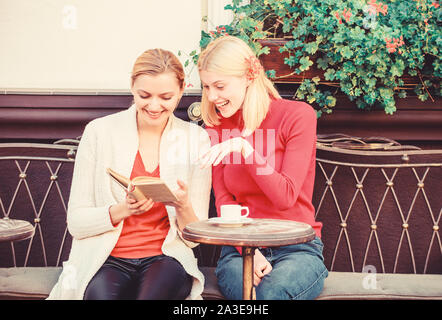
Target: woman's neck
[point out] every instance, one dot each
(150, 130)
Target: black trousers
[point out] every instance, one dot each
(152, 278)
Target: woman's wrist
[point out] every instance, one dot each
(184, 211)
(118, 213)
(185, 215)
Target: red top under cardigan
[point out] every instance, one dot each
(143, 235)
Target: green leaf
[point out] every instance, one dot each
(395, 72)
(322, 63)
(390, 109)
(397, 69)
(349, 67)
(361, 104)
(346, 52)
(287, 26)
(371, 82)
(271, 74)
(370, 97)
(290, 45)
(423, 97)
(311, 47)
(386, 93)
(263, 50)
(205, 39)
(338, 38)
(373, 59)
(330, 101)
(299, 94)
(329, 75)
(290, 61)
(357, 33)
(305, 63)
(402, 94)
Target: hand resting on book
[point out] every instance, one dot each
(183, 206)
(182, 197)
(128, 207)
(138, 207)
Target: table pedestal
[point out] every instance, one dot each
(247, 255)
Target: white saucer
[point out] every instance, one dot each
(230, 223)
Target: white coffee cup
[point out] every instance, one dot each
(233, 212)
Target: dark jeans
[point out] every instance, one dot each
(152, 278)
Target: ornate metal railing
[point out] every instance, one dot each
(34, 186)
(380, 203)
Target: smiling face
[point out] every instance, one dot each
(226, 92)
(156, 97)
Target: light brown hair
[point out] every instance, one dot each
(156, 61)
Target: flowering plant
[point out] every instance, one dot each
(365, 48)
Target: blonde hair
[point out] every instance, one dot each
(156, 61)
(228, 55)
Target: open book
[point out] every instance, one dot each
(144, 187)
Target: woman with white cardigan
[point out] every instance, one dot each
(128, 249)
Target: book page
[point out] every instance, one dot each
(146, 180)
(159, 192)
(120, 179)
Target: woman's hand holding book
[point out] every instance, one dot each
(183, 206)
(130, 206)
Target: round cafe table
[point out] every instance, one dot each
(15, 230)
(256, 233)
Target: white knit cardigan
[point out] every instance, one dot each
(112, 141)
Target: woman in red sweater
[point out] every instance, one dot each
(263, 156)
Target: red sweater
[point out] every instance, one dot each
(277, 180)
